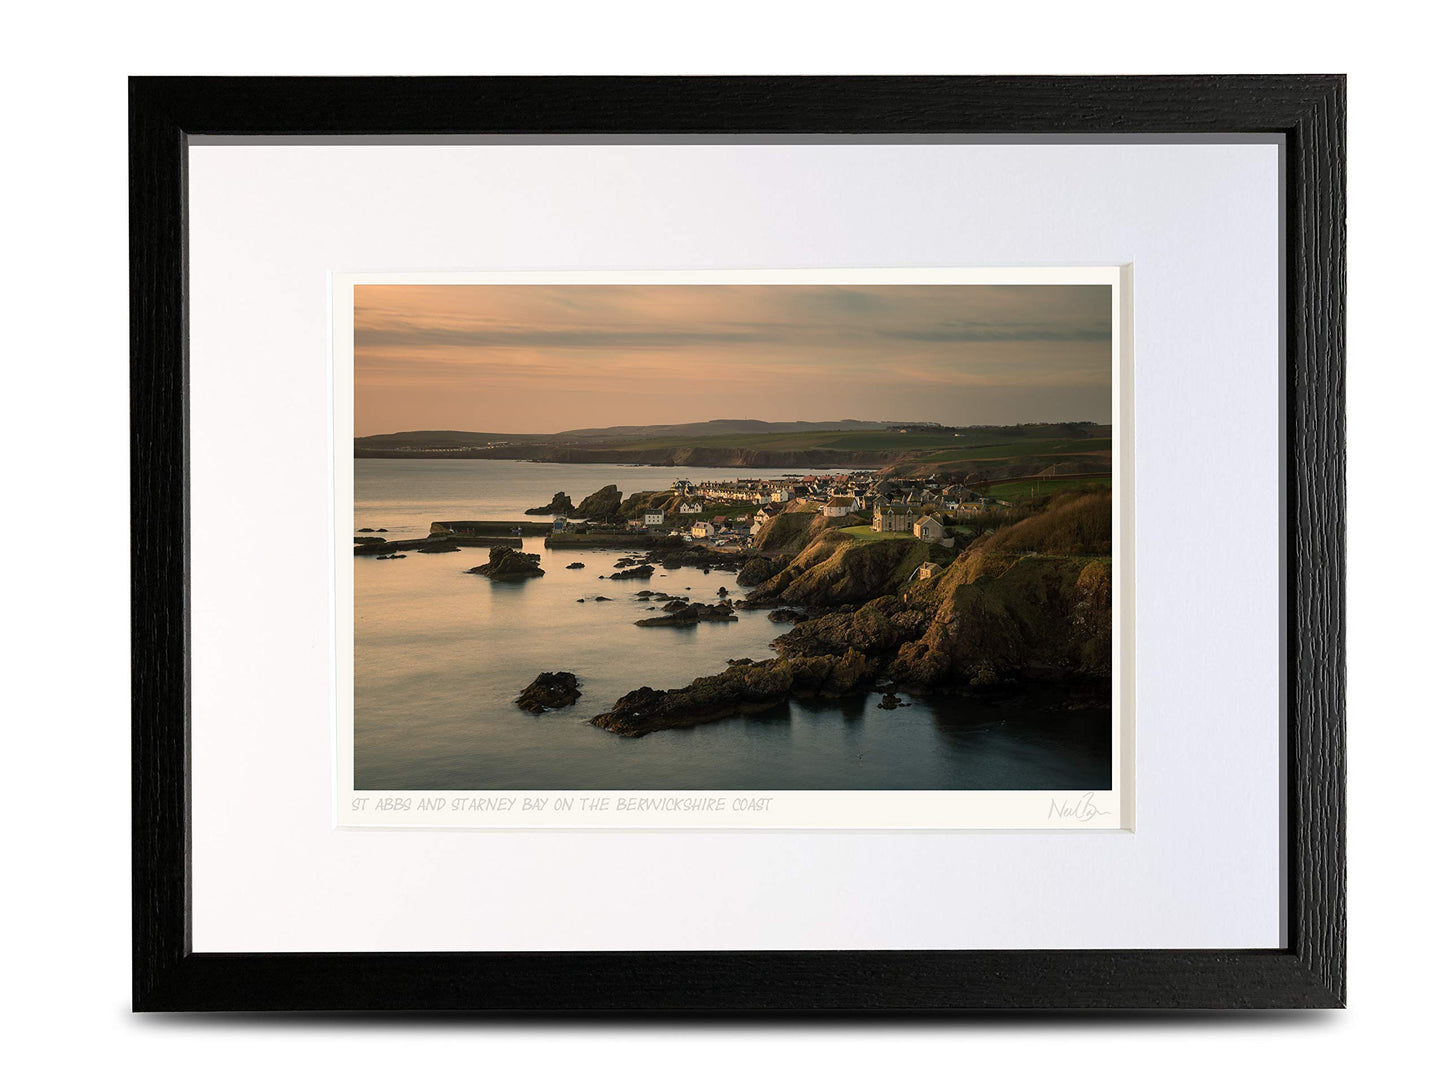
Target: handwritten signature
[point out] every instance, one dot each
(1083, 809)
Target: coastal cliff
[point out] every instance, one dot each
(789, 532)
(1030, 601)
(835, 569)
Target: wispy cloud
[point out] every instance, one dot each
(977, 331)
(540, 358)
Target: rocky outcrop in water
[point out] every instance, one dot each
(689, 613)
(559, 505)
(506, 564)
(744, 687)
(637, 572)
(604, 504)
(549, 692)
(697, 557)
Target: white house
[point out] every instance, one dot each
(702, 529)
(652, 518)
(559, 523)
(692, 509)
(838, 507)
(929, 529)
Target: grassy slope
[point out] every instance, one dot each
(835, 568)
(788, 533)
(1038, 487)
(866, 535)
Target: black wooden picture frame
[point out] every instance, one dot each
(1307, 110)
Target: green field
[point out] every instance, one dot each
(731, 510)
(868, 534)
(1037, 487)
(1058, 448)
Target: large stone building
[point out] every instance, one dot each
(893, 517)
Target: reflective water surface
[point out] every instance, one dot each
(441, 655)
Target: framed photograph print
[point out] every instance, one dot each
(738, 544)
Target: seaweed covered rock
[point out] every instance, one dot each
(549, 692)
(506, 563)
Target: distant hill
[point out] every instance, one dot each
(979, 453)
(444, 438)
(719, 425)
(457, 438)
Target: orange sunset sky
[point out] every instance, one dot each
(541, 359)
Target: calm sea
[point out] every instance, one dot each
(441, 655)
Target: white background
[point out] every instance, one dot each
(65, 646)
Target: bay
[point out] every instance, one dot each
(441, 656)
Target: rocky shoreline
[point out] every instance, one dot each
(995, 619)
